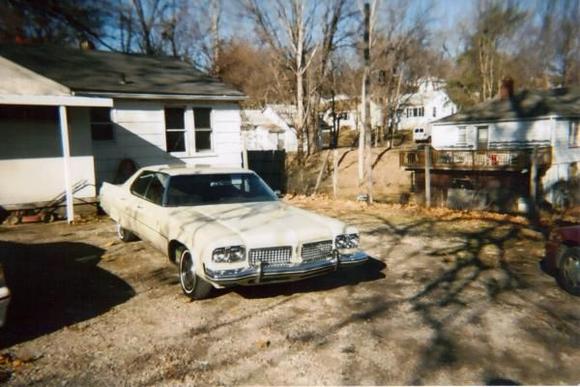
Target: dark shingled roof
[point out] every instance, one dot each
(523, 105)
(111, 72)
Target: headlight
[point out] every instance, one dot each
(229, 254)
(346, 241)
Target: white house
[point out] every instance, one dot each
(511, 144)
(69, 117)
(351, 111)
(428, 104)
(270, 128)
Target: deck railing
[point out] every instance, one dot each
(490, 159)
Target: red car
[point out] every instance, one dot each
(563, 257)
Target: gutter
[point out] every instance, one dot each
(475, 122)
(203, 97)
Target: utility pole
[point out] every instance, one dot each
(364, 154)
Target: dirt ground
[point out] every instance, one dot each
(448, 298)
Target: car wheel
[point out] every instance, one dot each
(124, 234)
(192, 285)
(569, 270)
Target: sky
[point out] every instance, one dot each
(447, 18)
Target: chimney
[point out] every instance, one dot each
(506, 90)
(86, 45)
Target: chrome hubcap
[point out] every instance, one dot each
(571, 270)
(187, 271)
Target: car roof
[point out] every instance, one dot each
(197, 169)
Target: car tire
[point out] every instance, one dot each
(569, 270)
(124, 234)
(192, 285)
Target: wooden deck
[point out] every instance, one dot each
(477, 160)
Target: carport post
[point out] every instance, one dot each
(66, 161)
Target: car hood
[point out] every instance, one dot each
(261, 224)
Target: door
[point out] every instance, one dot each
(482, 137)
(132, 203)
(151, 215)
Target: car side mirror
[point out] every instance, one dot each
(278, 193)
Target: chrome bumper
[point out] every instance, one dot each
(266, 274)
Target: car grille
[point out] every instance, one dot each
(317, 251)
(272, 256)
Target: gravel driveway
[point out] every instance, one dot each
(448, 298)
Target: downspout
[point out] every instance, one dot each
(66, 161)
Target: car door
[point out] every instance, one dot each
(151, 213)
(133, 203)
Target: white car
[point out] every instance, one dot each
(421, 134)
(226, 227)
(4, 297)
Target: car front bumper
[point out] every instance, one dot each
(266, 274)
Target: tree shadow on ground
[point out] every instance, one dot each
(475, 269)
(367, 272)
(54, 285)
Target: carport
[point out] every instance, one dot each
(22, 170)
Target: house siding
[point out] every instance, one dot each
(31, 164)
(140, 136)
(510, 134)
(438, 100)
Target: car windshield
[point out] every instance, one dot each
(204, 189)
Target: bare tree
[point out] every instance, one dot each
(286, 27)
(496, 22)
(335, 35)
(561, 41)
(400, 51)
(147, 15)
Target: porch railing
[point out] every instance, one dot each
(491, 159)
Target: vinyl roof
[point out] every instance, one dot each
(563, 102)
(186, 169)
(96, 72)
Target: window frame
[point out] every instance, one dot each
(574, 134)
(93, 124)
(190, 130)
(478, 144)
(196, 129)
(461, 132)
(176, 130)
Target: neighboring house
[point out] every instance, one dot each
(350, 111)
(498, 151)
(270, 128)
(69, 117)
(428, 104)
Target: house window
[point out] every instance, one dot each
(434, 111)
(101, 124)
(27, 113)
(417, 111)
(482, 137)
(202, 122)
(462, 135)
(574, 134)
(175, 129)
